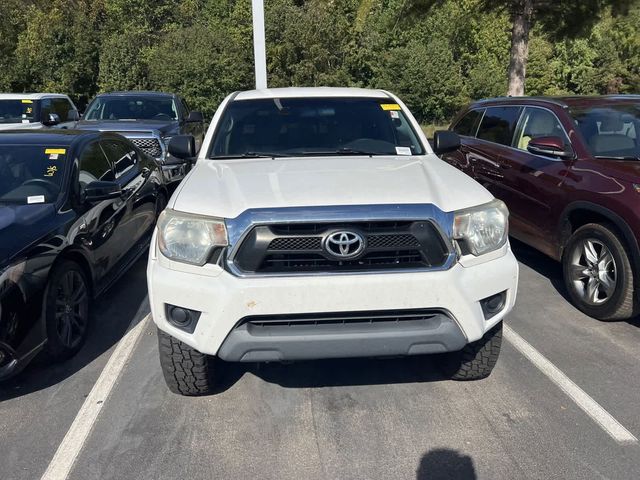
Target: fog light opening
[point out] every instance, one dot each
(183, 318)
(493, 305)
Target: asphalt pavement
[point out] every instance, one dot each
(338, 419)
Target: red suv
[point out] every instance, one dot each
(569, 171)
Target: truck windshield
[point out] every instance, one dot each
(132, 107)
(314, 127)
(30, 173)
(610, 131)
(17, 111)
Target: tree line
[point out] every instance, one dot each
(436, 54)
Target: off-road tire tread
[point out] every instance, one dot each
(477, 359)
(628, 306)
(186, 370)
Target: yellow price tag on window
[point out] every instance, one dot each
(390, 106)
(27, 101)
(55, 151)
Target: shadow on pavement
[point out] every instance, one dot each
(111, 314)
(338, 372)
(445, 464)
(549, 268)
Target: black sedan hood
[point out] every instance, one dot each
(23, 225)
(162, 126)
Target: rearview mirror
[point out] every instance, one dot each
(194, 117)
(550, 146)
(101, 190)
(445, 141)
(73, 115)
(51, 119)
(183, 147)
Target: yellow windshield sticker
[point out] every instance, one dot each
(55, 151)
(51, 171)
(390, 106)
(27, 101)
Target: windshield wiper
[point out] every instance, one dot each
(342, 151)
(613, 157)
(252, 155)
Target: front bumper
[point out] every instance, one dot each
(226, 301)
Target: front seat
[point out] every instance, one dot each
(609, 140)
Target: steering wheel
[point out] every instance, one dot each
(49, 185)
(162, 116)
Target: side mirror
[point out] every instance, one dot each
(194, 117)
(73, 115)
(101, 190)
(549, 146)
(182, 147)
(445, 141)
(51, 119)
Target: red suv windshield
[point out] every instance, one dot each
(610, 131)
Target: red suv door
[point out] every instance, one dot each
(535, 181)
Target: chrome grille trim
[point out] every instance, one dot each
(238, 228)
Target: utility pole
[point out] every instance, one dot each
(259, 50)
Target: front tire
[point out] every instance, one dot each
(66, 310)
(477, 359)
(597, 273)
(186, 371)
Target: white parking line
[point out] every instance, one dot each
(574, 392)
(73, 441)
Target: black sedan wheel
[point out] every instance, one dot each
(66, 310)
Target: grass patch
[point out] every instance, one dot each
(430, 128)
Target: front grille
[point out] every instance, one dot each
(298, 248)
(150, 146)
(315, 262)
(296, 243)
(379, 317)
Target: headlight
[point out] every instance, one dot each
(189, 238)
(482, 229)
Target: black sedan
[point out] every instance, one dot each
(76, 210)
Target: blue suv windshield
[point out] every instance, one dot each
(132, 107)
(314, 127)
(31, 173)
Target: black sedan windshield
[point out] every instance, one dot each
(30, 173)
(611, 131)
(132, 107)
(17, 111)
(314, 127)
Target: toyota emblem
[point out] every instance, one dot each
(344, 244)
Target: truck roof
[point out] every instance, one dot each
(306, 92)
(29, 96)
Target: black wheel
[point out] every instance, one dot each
(477, 359)
(66, 310)
(186, 371)
(598, 274)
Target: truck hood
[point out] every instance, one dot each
(228, 188)
(133, 126)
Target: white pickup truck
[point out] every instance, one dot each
(319, 223)
(36, 110)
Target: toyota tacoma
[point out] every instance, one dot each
(319, 223)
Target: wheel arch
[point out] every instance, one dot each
(81, 259)
(581, 213)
